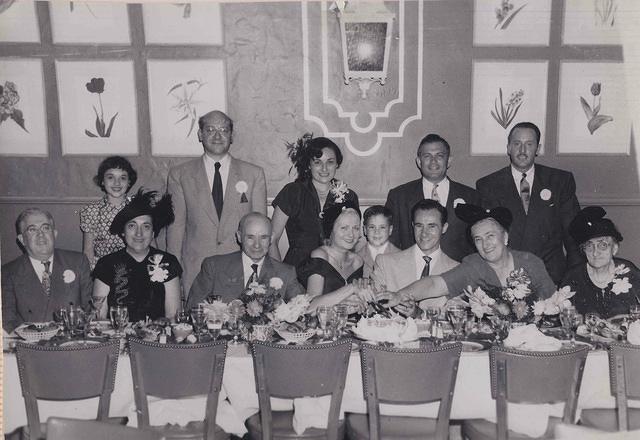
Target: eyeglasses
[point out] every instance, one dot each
(590, 246)
(45, 228)
(222, 131)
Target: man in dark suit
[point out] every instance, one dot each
(45, 279)
(210, 195)
(229, 275)
(542, 200)
(433, 162)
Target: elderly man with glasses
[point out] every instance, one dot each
(44, 279)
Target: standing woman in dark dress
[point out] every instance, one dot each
(144, 279)
(298, 205)
(330, 271)
(604, 284)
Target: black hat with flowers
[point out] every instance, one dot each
(330, 214)
(145, 203)
(590, 223)
(472, 214)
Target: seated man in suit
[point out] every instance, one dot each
(229, 275)
(45, 279)
(433, 161)
(377, 224)
(393, 272)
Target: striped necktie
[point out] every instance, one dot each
(434, 193)
(525, 192)
(46, 277)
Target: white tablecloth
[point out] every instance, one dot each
(472, 397)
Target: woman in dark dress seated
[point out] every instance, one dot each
(298, 205)
(330, 273)
(605, 284)
(141, 277)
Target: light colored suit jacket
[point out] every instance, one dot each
(367, 269)
(24, 299)
(398, 270)
(197, 232)
(223, 275)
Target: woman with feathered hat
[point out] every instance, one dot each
(141, 277)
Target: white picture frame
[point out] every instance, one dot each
(514, 23)
(89, 22)
(19, 22)
(198, 23)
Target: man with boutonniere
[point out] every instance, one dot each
(45, 278)
(210, 195)
(542, 200)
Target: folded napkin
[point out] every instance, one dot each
(311, 412)
(633, 334)
(528, 337)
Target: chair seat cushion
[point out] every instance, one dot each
(192, 430)
(392, 427)
(607, 419)
(479, 429)
(282, 422)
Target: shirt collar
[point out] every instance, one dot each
(377, 251)
(517, 174)
(224, 162)
(247, 262)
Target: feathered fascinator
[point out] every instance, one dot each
(472, 214)
(330, 214)
(145, 203)
(590, 223)
(298, 149)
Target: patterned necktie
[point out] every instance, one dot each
(434, 193)
(425, 271)
(525, 192)
(216, 190)
(254, 275)
(46, 277)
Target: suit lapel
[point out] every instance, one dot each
(266, 272)
(28, 274)
(234, 271)
(539, 182)
(201, 189)
(511, 193)
(57, 282)
(231, 196)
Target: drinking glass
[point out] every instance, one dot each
(235, 311)
(340, 314)
(213, 298)
(73, 318)
(214, 324)
(119, 316)
(182, 316)
(567, 318)
(324, 314)
(457, 316)
(634, 312)
(198, 319)
(591, 319)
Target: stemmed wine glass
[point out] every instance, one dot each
(324, 314)
(198, 318)
(568, 318)
(235, 310)
(119, 316)
(457, 315)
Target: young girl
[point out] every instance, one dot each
(115, 178)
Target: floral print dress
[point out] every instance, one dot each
(96, 219)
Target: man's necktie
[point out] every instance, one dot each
(254, 275)
(425, 271)
(46, 277)
(434, 193)
(525, 192)
(216, 190)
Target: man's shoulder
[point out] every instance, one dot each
(186, 166)
(490, 179)
(223, 258)
(280, 267)
(14, 264)
(553, 172)
(246, 167)
(69, 255)
(408, 187)
(461, 188)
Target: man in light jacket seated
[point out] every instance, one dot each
(45, 278)
(229, 275)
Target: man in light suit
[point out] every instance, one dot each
(210, 195)
(229, 275)
(541, 199)
(433, 160)
(393, 272)
(45, 279)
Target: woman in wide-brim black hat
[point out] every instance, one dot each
(605, 284)
(144, 279)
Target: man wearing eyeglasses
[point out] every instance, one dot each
(210, 196)
(45, 279)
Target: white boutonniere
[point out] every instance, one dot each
(68, 276)
(276, 283)
(621, 283)
(242, 188)
(157, 271)
(339, 190)
(457, 201)
(545, 194)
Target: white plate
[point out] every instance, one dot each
(79, 343)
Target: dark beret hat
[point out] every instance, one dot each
(590, 223)
(472, 214)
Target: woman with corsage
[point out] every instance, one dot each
(332, 271)
(298, 205)
(605, 284)
(494, 265)
(141, 277)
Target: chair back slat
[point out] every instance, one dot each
(173, 371)
(537, 377)
(631, 355)
(401, 373)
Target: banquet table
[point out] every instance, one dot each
(239, 400)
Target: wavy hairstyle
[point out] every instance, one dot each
(305, 149)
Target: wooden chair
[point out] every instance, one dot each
(65, 373)
(533, 377)
(72, 429)
(405, 376)
(174, 371)
(290, 371)
(624, 365)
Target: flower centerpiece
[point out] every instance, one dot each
(260, 303)
(293, 324)
(554, 304)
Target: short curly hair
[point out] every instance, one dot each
(115, 162)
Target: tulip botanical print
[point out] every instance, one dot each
(595, 120)
(9, 99)
(96, 85)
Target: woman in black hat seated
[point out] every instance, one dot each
(606, 284)
(141, 277)
(329, 274)
(490, 266)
